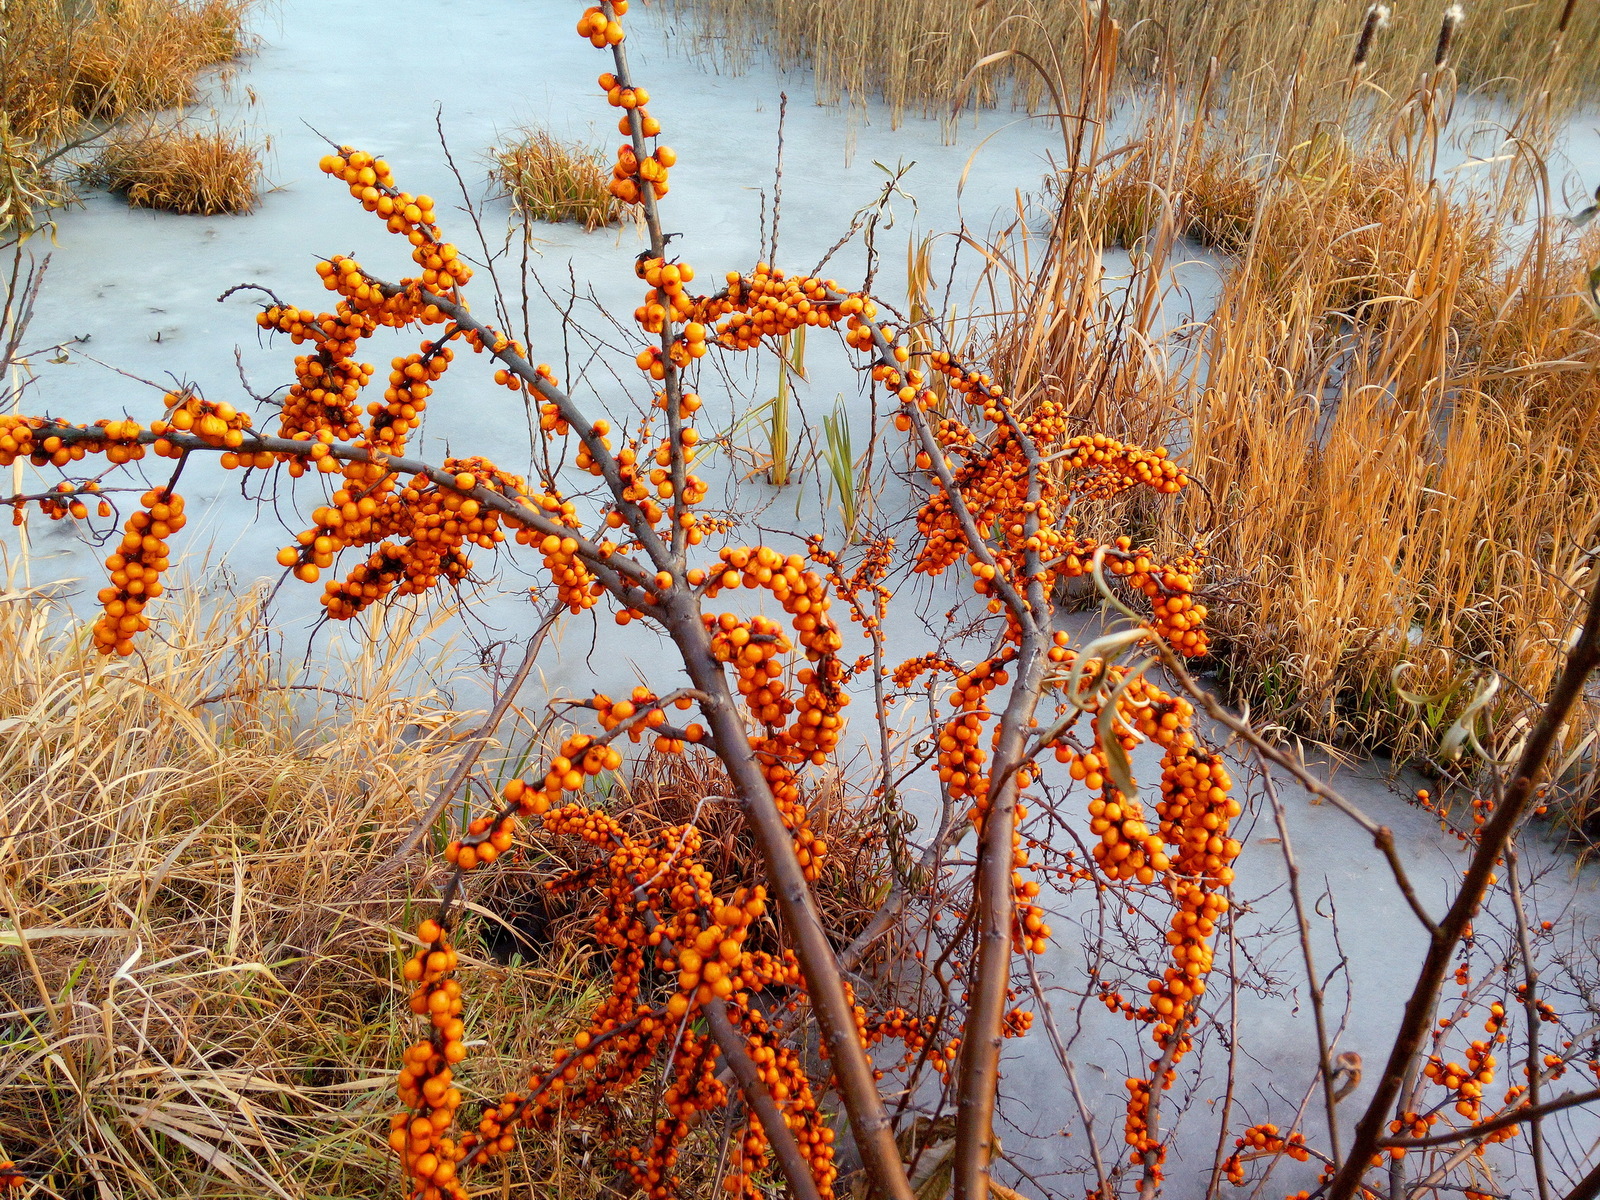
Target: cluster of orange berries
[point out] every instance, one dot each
(575, 584)
(1547, 1014)
(803, 594)
(66, 500)
(581, 758)
(770, 303)
(631, 176)
(660, 909)
(1466, 1082)
(135, 568)
(372, 182)
(863, 589)
(216, 423)
(669, 299)
(18, 439)
(920, 1035)
(601, 30)
(1262, 1141)
(420, 1135)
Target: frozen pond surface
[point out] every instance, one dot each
(141, 288)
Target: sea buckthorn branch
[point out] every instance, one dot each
(993, 886)
(641, 877)
(1526, 1112)
(626, 579)
(685, 622)
(1583, 657)
(1325, 1068)
(1116, 467)
(640, 126)
(539, 381)
(824, 984)
(1382, 836)
(1531, 1014)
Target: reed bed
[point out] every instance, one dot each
(551, 180)
(197, 998)
(1388, 414)
(180, 169)
(68, 68)
(915, 56)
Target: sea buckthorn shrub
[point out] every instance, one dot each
(724, 987)
(714, 978)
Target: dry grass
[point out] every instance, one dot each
(195, 1006)
(1389, 412)
(551, 180)
(204, 999)
(68, 67)
(914, 55)
(180, 169)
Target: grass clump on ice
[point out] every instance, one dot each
(551, 180)
(181, 169)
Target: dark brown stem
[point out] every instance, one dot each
(995, 895)
(1530, 1112)
(824, 983)
(1313, 984)
(1493, 838)
(1588, 1187)
(796, 1170)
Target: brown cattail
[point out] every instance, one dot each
(1447, 34)
(1566, 15)
(1376, 19)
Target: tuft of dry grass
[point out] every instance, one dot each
(180, 169)
(192, 1003)
(70, 67)
(551, 180)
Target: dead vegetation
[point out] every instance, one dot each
(916, 56)
(68, 70)
(547, 179)
(180, 169)
(1386, 407)
(191, 999)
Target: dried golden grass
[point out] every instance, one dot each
(551, 180)
(1388, 415)
(915, 55)
(192, 1004)
(68, 66)
(181, 169)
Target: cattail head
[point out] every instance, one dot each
(1447, 34)
(1377, 17)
